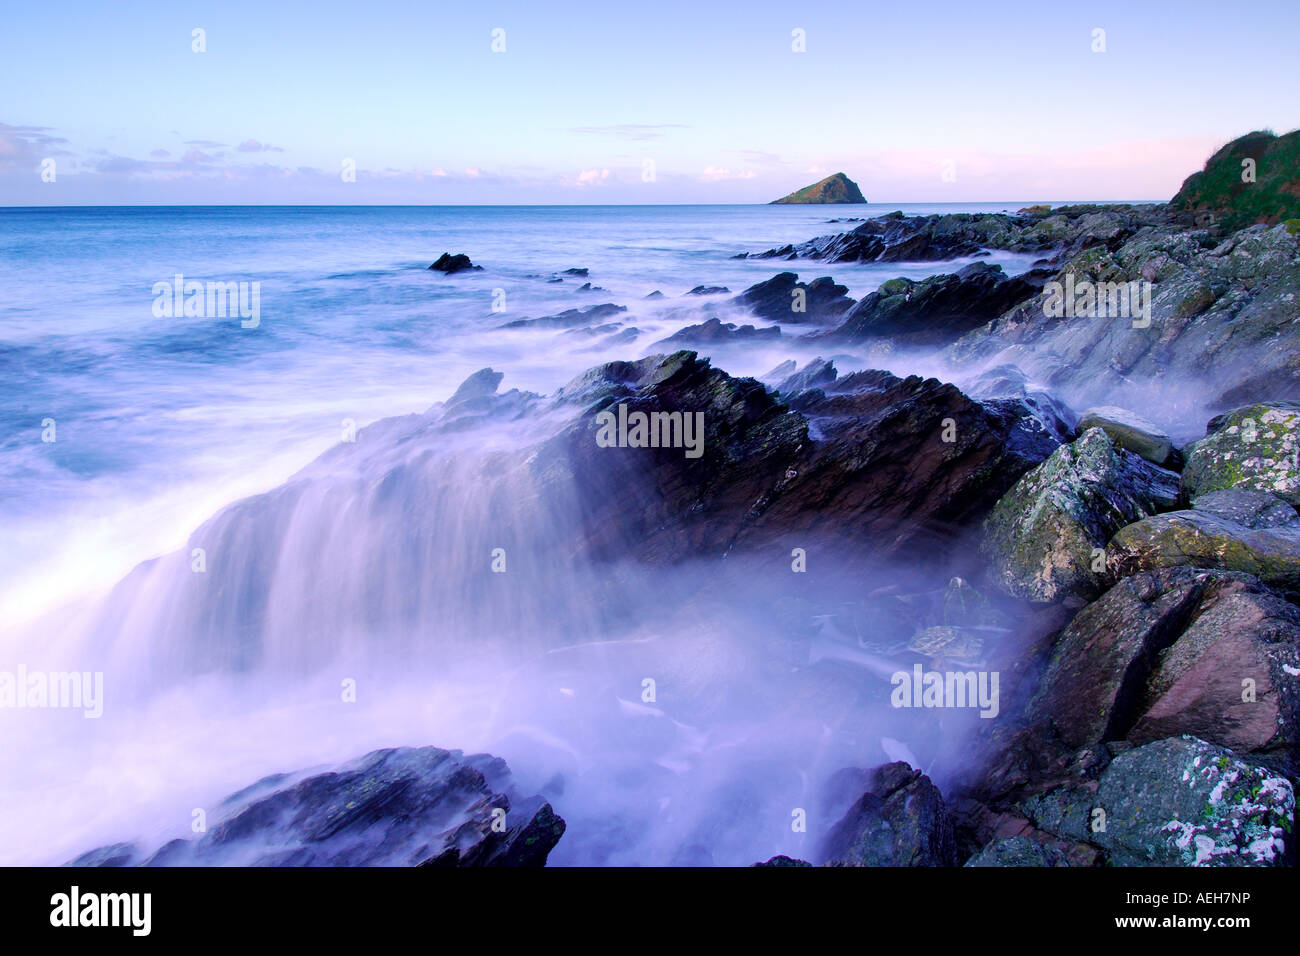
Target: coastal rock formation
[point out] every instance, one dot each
(835, 188)
(714, 331)
(458, 263)
(1255, 447)
(1129, 430)
(1234, 530)
(1145, 655)
(1042, 538)
(783, 298)
(400, 807)
(900, 821)
(1178, 802)
(937, 310)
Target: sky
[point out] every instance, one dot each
(629, 102)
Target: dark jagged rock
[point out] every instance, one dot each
(714, 331)
(937, 310)
(784, 861)
(575, 272)
(708, 290)
(880, 472)
(900, 821)
(1042, 537)
(898, 238)
(401, 807)
(656, 294)
(458, 263)
(818, 373)
(569, 318)
(835, 188)
(1221, 196)
(783, 298)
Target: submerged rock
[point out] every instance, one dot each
(1254, 447)
(715, 331)
(400, 807)
(900, 821)
(1043, 537)
(458, 263)
(783, 298)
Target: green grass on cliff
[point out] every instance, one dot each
(1219, 188)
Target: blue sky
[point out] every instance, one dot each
(1009, 99)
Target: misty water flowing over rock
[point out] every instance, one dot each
(973, 542)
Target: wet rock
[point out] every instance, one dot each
(715, 331)
(1129, 430)
(570, 318)
(1220, 331)
(783, 298)
(1094, 686)
(1018, 851)
(900, 821)
(1252, 447)
(879, 470)
(1185, 802)
(1252, 509)
(1042, 536)
(937, 310)
(1231, 676)
(400, 807)
(708, 290)
(1202, 538)
(458, 263)
(784, 861)
(818, 373)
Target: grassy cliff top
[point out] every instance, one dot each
(1224, 189)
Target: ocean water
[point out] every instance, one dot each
(159, 422)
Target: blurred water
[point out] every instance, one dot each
(160, 422)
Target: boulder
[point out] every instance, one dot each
(1231, 676)
(1254, 447)
(1018, 851)
(1129, 430)
(900, 821)
(1168, 651)
(1185, 802)
(398, 807)
(1222, 530)
(1042, 536)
